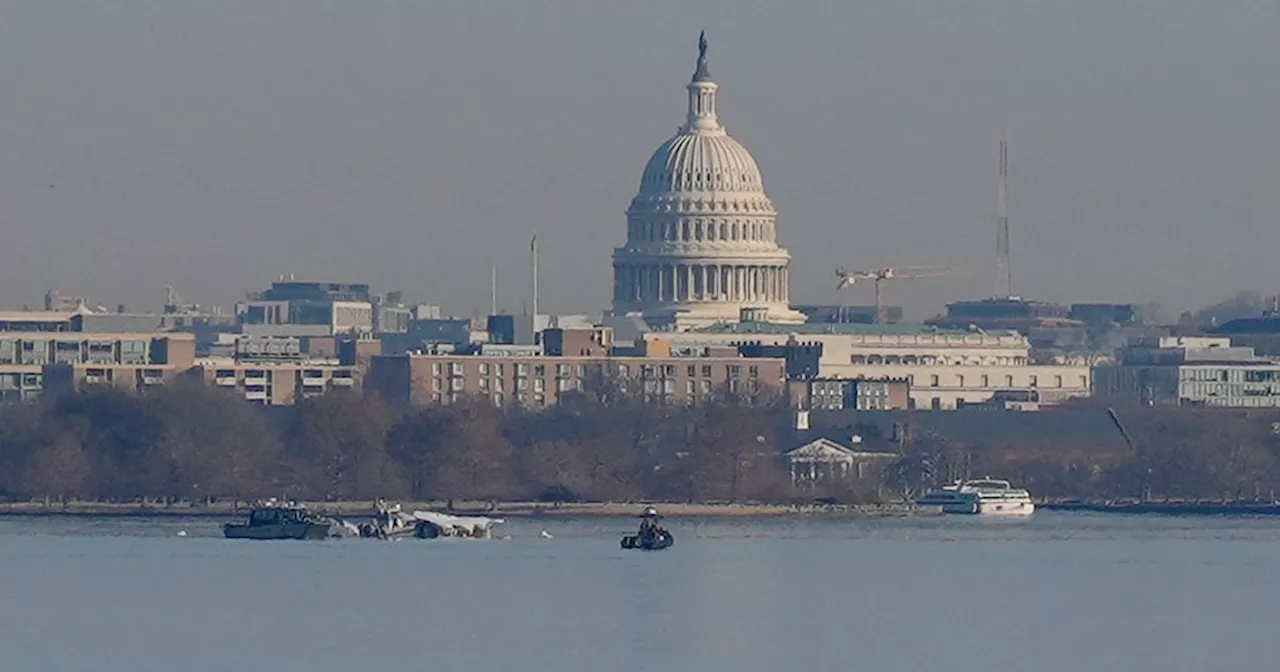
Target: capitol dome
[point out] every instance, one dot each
(701, 238)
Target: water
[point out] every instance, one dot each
(1057, 592)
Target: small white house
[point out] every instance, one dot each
(825, 460)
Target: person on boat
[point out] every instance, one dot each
(649, 527)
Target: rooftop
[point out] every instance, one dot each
(847, 329)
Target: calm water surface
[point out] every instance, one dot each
(1057, 592)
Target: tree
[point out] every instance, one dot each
(58, 469)
(337, 446)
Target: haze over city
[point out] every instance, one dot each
(411, 146)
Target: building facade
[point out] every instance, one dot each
(946, 369)
(539, 381)
(701, 233)
(1191, 371)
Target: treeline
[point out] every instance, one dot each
(1175, 454)
(195, 443)
(192, 443)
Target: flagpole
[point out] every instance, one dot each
(533, 251)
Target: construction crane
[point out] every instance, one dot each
(881, 276)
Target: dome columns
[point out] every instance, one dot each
(659, 283)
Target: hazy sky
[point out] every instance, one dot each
(214, 145)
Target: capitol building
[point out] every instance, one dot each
(702, 245)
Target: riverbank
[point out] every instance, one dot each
(1169, 508)
(227, 509)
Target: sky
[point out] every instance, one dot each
(214, 145)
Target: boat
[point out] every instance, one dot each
(658, 541)
(652, 536)
(274, 521)
(987, 496)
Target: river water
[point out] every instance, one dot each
(1059, 591)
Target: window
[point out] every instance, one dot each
(705, 386)
(1057, 381)
(624, 370)
(986, 381)
(1008, 381)
(484, 368)
(522, 370)
(693, 370)
(1034, 381)
(669, 370)
(540, 370)
(689, 387)
(539, 385)
(706, 371)
(435, 368)
(562, 370)
(933, 380)
(436, 384)
(484, 384)
(960, 380)
(522, 383)
(753, 372)
(497, 385)
(935, 404)
(456, 368)
(497, 400)
(500, 369)
(735, 371)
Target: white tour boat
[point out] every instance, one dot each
(986, 496)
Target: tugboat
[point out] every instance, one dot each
(652, 536)
(273, 521)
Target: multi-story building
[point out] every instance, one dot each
(946, 368)
(1191, 371)
(863, 394)
(291, 308)
(71, 361)
(276, 383)
(540, 380)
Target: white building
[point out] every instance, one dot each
(701, 233)
(947, 368)
(1191, 371)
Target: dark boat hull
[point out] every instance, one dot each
(657, 543)
(290, 530)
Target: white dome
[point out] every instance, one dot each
(701, 233)
(696, 161)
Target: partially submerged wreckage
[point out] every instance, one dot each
(393, 523)
(272, 520)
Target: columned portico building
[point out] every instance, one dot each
(701, 234)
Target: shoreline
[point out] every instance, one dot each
(358, 509)
(497, 510)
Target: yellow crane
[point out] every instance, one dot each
(881, 277)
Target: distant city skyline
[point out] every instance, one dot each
(214, 149)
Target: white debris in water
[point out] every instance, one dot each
(182, 533)
(545, 535)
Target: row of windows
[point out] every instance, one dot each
(455, 369)
(985, 381)
(698, 230)
(933, 360)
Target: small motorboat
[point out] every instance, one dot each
(652, 536)
(655, 542)
(274, 521)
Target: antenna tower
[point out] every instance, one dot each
(1004, 282)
